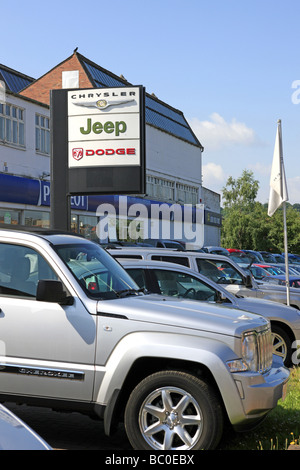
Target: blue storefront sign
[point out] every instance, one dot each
(20, 190)
(77, 202)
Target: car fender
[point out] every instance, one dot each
(211, 353)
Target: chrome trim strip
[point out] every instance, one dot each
(42, 372)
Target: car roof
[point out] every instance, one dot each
(155, 264)
(53, 236)
(164, 251)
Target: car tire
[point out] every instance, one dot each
(282, 345)
(173, 410)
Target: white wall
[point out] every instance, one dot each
(169, 156)
(25, 161)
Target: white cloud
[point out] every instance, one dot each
(217, 133)
(264, 170)
(214, 177)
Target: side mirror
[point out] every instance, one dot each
(248, 281)
(49, 290)
(220, 297)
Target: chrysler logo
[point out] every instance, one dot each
(104, 104)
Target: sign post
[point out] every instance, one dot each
(98, 145)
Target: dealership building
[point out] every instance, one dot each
(173, 170)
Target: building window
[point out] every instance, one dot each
(42, 134)
(37, 218)
(9, 216)
(187, 194)
(87, 226)
(12, 126)
(160, 188)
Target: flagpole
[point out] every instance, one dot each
(287, 275)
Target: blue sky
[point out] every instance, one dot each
(229, 65)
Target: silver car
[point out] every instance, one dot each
(174, 280)
(16, 435)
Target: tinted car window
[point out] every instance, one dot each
(117, 255)
(21, 268)
(138, 275)
(179, 284)
(219, 271)
(172, 259)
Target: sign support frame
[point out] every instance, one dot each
(60, 206)
(66, 181)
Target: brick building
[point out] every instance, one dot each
(173, 152)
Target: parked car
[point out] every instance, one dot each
(295, 259)
(16, 435)
(216, 250)
(170, 279)
(294, 269)
(162, 243)
(279, 258)
(77, 334)
(269, 258)
(256, 257)
(242, 259)
(220, 269)
(265, 270)
(280, 280)
(258, 272)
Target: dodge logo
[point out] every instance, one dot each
(77, 153)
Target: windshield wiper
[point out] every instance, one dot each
(127, 292)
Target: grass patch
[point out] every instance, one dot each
(280, 428)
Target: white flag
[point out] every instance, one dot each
(278, 187)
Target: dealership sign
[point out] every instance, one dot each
(98, 145)
(105, 127)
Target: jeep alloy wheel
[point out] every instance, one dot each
(173, 410)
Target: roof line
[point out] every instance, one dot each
(46, 73)
(16, 72)
(83, 59)
(126, 82)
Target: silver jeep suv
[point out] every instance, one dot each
(77, 334)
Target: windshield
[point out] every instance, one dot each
(96, 271)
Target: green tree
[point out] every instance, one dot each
(246, 224)
(239, 203)
(240, 193)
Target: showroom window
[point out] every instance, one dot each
(9, 216)
(37, 218)
(87, 226)
(12, 125)
(42, 134)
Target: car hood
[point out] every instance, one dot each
(188, 314)
(264, 307)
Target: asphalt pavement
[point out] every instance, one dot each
(70, 431)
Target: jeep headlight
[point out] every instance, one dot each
(256, 349)
(249, 351)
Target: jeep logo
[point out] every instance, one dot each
(109, 127)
